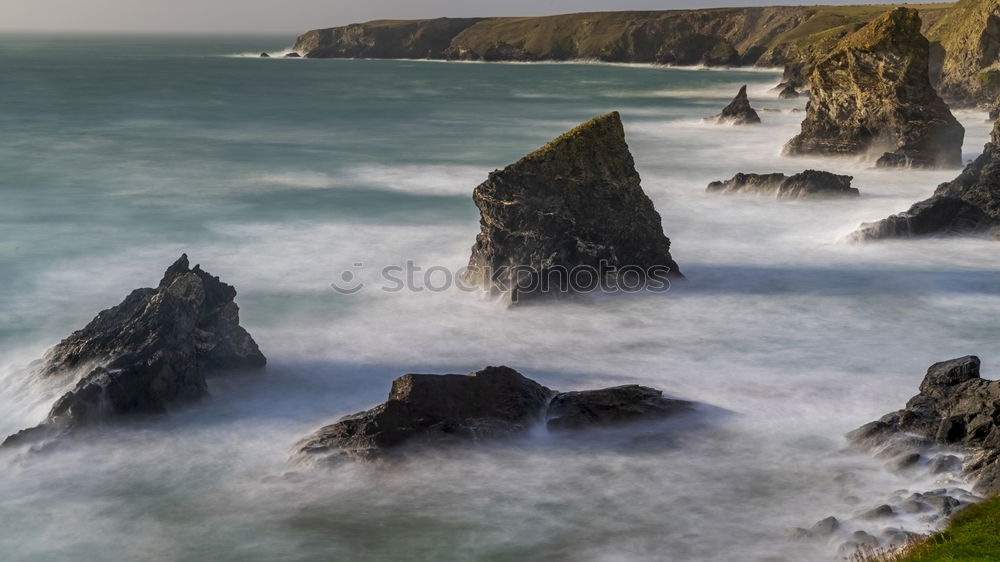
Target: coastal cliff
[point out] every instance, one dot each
(964, 39)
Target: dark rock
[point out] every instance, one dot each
(943, 464)
(789, 93)
(944, 505)
(698, 48)
(434, 410)
(611, 406)
(880, 512)
(265, 56)
(825, 527)
(865, 539)
(574, 204)
(904, 462)
(810, 184)
(872, 95)
(738, 112)
(152, 350)
(292, 55)
(955, 408)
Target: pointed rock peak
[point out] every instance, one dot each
(897, 26)
(605, 131)
(179, 267)
(742, 93)
(738, 112)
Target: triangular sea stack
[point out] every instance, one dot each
(872, 96)
(738, 112)
(575, 205)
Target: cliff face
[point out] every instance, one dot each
(872, 96)
(384, 39)
(966, 41)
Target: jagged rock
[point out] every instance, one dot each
(497, 402)
(872, 96)
(434, 410)
(611, 406)
(575, 204)
(292, 55)
(265, 56)
(738, 112)
(789, 93)
(967, 205)
(152, 350)
(956, 409)
(810, 184)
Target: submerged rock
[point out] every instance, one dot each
(810, 184)
(265, 56)
(439, 410)
(738, 112)
(967, 205)
(611, 406)
(152, 350)
(872, 96)
(789, 93)
(575, 204)
(955, 409)
(292, 55)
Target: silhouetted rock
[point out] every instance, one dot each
(738, 112)
(967, 205)
(955, 409)
(872, 97)
(789, 93)
(152, 350)
(575, 204)
(265, 56)
(292, 55)
(810, 184)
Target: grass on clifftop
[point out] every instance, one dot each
(973, 535)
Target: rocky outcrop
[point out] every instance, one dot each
(956, 410)
(292, 55)
(966, 63)
(738, 112)
(611, 406)
(392, 39)
(574, 205)
(265, 56)
(810, 184)
(427, 411)
(968, 205)
(872, 97)
(698, 49)
(789, 93)
(149, 352)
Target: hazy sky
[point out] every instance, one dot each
(293, 16)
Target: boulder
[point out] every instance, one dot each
(498, 402)
(789, 93)
(872, 97)
(149, 352)
(956, 409)
(967, 205)
(576, 204)
(611, 406)
(738, 112)
(810, 184)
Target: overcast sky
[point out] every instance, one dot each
(293, 16)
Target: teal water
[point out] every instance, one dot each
(119, 153)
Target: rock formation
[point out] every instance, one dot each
(292, 55)
(956, 410)
(573, 205)
(498, 402)
(810, 184)
(265, 56)
(872, 97)
(966, 63)
(738, 112)
(149, 352)
(789, 93)
(967, 205)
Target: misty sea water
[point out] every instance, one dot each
(118, 153)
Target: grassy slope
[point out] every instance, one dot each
(972, 535)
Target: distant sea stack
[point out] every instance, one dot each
(968, 205)
(574, 205)
(738, 112)
(872, 97)
(151, 351)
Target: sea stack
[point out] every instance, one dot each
(955, 411)
(968, 205)
(149, 352)
(738, 112)
(968, 35)
(573, 206)
(872, 97)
